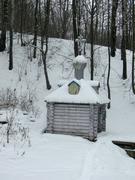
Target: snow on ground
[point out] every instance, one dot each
(31, 155)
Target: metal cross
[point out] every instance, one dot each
(81, 44)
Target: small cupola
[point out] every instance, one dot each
(79, 64)
(73, 88)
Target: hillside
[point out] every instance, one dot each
(33, 155)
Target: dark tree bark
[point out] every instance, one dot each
(133, 47)
(92, 40)
(4, 25)
(130, 21)
(21, 23)
(45, 34)
(109, 55)
(113, 27)
(74, 11)
(11, 50)
(102, 28)
(11, 34)
(92, 8)
(35, 29)
(64, 17)
(96, 24)
(123, 41)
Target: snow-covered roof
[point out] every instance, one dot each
(80, 59)
(86, 95)
(91, 83)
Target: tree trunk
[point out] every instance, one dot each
(35, 29)
(123, 42)
(133, 48)
(45, 66)
(45, 33)
(74, 10)
(21, 24)
(109, 55)
(4, 25)
(113, 27)
(92, 41)
(11, 35)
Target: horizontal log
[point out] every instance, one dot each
(73, 121)
(83, 132)
(71, 130)
(125, 144)
(72, 125)
(79, 124)
(71, 116)
(72, 111)
(72, 105)
(75, 111)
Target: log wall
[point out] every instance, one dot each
(75, 119)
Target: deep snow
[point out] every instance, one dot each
(60, 157)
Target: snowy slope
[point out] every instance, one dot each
(57, 157)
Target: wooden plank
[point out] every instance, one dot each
(71, 125)
(76, 132)
(85, 135)
(71, 128)
(72, 113)
(125, 144)
(68, 127)
(71, 117)
(72, 110)
(131, 153)
(129, 147)
(73, 121)
(71, 105)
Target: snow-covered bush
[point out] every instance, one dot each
(8, 98)
(13, 131)
(24, 102)
(27, 99)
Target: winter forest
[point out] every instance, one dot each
(67, 89)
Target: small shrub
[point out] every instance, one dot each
(8, 98)
(14, 132)
(25, 101)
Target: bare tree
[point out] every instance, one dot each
(35, 28)
(113, 27)
(75, 32)
(11, 35)
(133, 47)
(4, 4)
(123, 41)
(64, 16)
(93, 6)
(21, 22)
(109, 55)
(44, 36)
